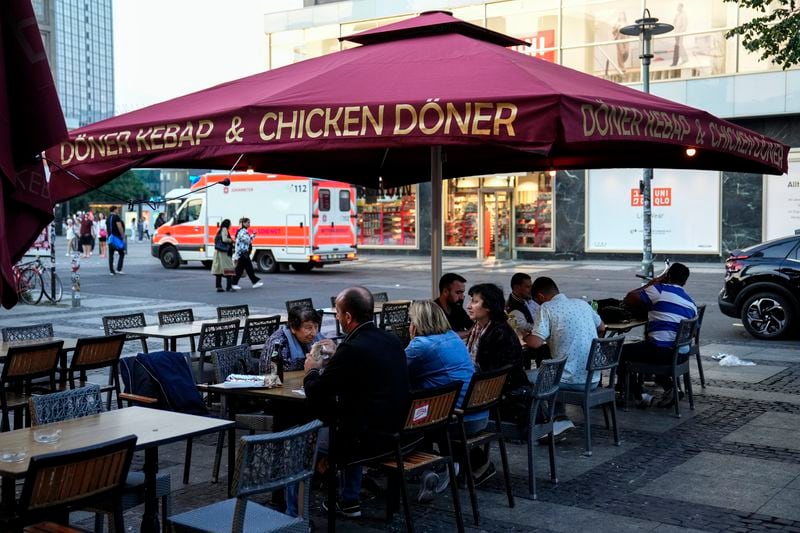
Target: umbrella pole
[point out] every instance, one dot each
(436, 219)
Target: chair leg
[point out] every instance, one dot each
(164, 513)
(453, 482)
(117, 387)
(613, 409)
(99, 522)
(144, 345)
(604, 407)
(531, 472)
(627, 391)
(675, 396)
(687, 381)
(552, 446)
(700, 370)
(506, 472)
(403, 490)
(473, 498)
(187, 461)
(587, 429)
(218, 456)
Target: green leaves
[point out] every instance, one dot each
(774, 32)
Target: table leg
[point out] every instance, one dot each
(173, 345)
(150, 523)
(230, 404)
(8, 496)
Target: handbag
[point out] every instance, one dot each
(221, 245)
(116, 242)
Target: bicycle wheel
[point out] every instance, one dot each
(29, 287)
(48, 287)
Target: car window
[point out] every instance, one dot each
(796, 252)
(344, 201)
(776, 251)
(193, 211)
(324, 200)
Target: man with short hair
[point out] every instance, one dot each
(666, 303)
(451, 299)
(569, 325)
(367, 382)
(521, 307)
(116, 228)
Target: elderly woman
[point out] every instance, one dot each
(292, 342)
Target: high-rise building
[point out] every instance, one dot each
(78, 39)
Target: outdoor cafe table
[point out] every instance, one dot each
(618, 328)
(173, 332)
(152, 427)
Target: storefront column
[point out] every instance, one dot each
(424, 218)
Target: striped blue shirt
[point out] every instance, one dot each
(666, 306)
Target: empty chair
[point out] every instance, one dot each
(56, 483)
(24, 364)
(603, 355)
(85, 401)
(111, 324)
(394, 314)
(484, 393)
(26, 333)
(233, 311)
(265, 463)
(178, 316)
(257, 330)
(214, 335)
(303, 302)
(694, 349)
(380, 297)
(679, 366)
(99, 352)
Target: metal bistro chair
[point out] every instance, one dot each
(233, 311)
(694, 350)
(484, 394)
(134, 320)
(214, 335)
(24, 364)
(603, 355)
(682, 349)
(178, 316)
(27, 333)
(264, 463)
(380, 297)
(99, 352)
(55, 483)
(86, 401)
(257, 330)
(235, 360)
(303, 302)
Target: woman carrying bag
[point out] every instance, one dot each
(223, 260)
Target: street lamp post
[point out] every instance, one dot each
(645, 28)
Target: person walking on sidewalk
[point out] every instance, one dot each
(222, 266)
(116, 240)
(244, 245)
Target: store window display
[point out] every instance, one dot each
(388, 217)
(534, 211)
(461, 213)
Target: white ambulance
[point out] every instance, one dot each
(302, 222)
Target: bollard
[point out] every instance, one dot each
(76, 280)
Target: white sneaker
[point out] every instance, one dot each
(258, 284)
(560, 426)
(236, 287)
(120, 272)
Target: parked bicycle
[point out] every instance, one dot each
(33, 281)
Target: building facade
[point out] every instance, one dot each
(573, 214)
(78, 39)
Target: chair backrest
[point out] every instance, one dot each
(604, 354)
(65, 405)
(430, 408)
(26, 333)
(113, 323)
(258, 330)
(97, 352)
(230, 360)
(218, 335)
(27, 362)
(178, 316)
(401, 332)
(701, 312)
(394, 313)
(380, 297)
(685, 335)
(271, 461)
(233, 311)
(548, 376)
(303, 302)
(485, 390)
(75, 478)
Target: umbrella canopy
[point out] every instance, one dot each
(374, 111)
(30, 121)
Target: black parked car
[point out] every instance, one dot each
(762, 287)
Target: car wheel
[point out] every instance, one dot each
(767, 315)
(303, 267)
(169, 257)
(265, 262)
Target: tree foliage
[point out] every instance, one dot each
(128, 186)
(774, 32)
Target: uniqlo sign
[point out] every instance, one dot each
(662, 197)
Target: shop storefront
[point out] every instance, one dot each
(782, 201)
(387, 218)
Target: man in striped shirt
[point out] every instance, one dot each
(666, 303)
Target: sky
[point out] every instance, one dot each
(168, 48)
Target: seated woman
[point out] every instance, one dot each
(292, 342)
(493, 343)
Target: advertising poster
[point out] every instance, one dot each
(686, 211)
(782, 203)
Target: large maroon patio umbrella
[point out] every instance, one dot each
(382, 112)
(30, 121)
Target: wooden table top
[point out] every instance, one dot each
(69, 344)
(622, 327)
(292, 381)
(177, 331)
(153, 427)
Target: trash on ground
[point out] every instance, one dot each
(727, 359)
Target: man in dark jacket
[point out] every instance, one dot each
(367, 382)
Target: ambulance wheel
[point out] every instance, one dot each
(303, 267)
(265, 262)
(169, 257)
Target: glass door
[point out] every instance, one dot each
(496, 224)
